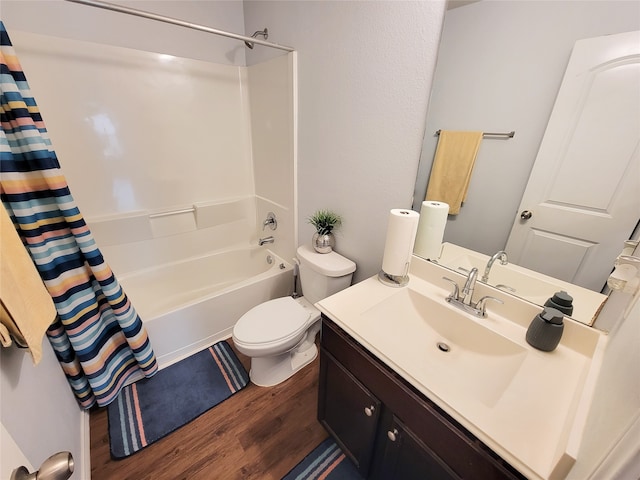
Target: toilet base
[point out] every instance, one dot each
(270, 371)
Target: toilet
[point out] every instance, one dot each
(279, 335)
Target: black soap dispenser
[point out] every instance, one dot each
(545, 330)
(561, 301)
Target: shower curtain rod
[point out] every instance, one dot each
(175, 21)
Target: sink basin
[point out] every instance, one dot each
(456, 351)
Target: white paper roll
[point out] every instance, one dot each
(433, 220)
(401, 235)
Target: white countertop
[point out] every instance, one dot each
(527, 405)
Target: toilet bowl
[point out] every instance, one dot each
(279, 335)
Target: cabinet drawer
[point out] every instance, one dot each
(465, 455)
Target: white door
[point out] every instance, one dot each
(583, 197)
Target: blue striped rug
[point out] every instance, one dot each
(326, 461)
(151, 408)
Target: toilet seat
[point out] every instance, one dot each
(273, 322)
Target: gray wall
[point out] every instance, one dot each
(499, 68)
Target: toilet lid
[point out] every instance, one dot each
(272, 321)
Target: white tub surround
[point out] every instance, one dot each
(185, 136)
(143, 239)
(152, 130)
(272, 90)
(529, 406)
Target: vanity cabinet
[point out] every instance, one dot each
(388, 428)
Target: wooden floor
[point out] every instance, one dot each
(258, 433)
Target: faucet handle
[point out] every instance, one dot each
(270, 221)
(455, 295)
(481, 306)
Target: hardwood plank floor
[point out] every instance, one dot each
(258, 433)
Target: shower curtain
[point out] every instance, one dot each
(97, 336)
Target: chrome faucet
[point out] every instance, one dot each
(464, 300)
(502, 255)
(264, 240)
(469, 286)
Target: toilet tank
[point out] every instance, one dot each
(323, 274)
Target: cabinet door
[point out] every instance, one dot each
(348, 411)
(403, 456)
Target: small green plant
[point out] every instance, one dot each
(325, 221)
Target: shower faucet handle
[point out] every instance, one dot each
(270, 221)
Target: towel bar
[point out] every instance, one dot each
(490, 134)
(172, 212)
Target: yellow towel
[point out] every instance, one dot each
(452, 168)
(26, 308)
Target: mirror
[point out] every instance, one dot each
(499, 69)
(522, 282)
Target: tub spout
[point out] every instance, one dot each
(264, 240)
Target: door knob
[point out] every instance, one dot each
(368, 411)
(526, 215)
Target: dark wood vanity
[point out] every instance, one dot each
(388, 428)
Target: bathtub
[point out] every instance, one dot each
(190, 304)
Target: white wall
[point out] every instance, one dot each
(499, 69)
(364, 76)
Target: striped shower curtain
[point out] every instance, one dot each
(97, 336)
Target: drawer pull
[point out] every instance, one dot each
(368, 411)
(393, 435)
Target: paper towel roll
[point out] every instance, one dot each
(401, 235)
(433, 220)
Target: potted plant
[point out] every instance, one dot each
(324, 221)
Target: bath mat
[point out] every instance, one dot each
(326, 461)
(151, 408)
